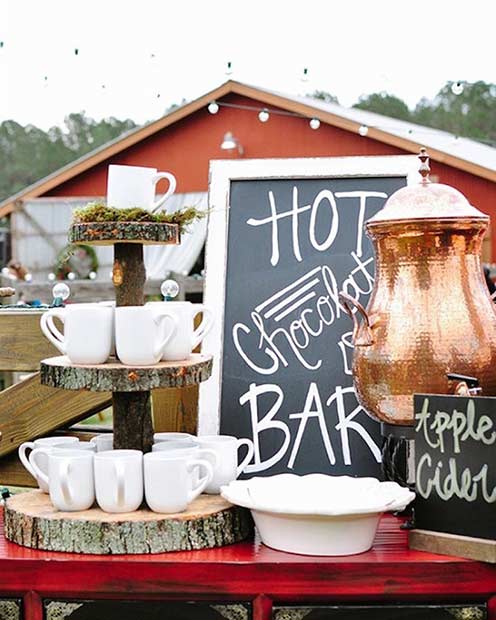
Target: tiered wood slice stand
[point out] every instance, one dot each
(210, 521)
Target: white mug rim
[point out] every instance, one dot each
(166, 456)
(64, 454)
(173, 449)
(217, 438)
(117, 454)
(50, 441)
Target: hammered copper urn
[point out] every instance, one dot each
(430, 312)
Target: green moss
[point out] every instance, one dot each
(100, 212)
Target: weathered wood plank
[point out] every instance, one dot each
(22, 344)
(209, 521)
(29, 410)
(175, 409)
(13, 473)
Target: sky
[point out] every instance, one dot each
(137, 57)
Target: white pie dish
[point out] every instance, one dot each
(317, 514)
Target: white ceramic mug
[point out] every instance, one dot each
(70, 477)
(186, 337)
(129, 187)
(186, 448)
(170, 480)
(43, 442)
(119, 480)
(141, 334)
(87, 337)
(111, 304)
(171, 436)
(227, 468)
(103, 442)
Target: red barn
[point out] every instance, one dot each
(184, 141)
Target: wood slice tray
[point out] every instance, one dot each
(59, 372)
(108, 233)
(210, 521)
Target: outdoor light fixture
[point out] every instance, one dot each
(263, 115)
(213, 107)
(230, 142)
(363, 130)
(314, 123)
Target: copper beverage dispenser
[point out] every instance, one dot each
(430, 312)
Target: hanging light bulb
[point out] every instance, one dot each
(314, 123)
(263, 115)
(229, 68)
(304, 76)
(169, 289)
(28, 277)
(92, 275)
(51, 277)
(457, 88)
(61, 291)
(71, 275)
(213, 107)
(363, 130)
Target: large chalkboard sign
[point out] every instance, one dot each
(284, 237)
(455, 465)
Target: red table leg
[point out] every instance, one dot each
(33, 606)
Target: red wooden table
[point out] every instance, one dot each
(249, 571)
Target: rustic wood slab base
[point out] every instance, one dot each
(116, 377)
(210, 521)
(108, 233)
(480, 549)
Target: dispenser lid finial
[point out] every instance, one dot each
(424, 169)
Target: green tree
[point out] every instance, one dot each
(471, 114)
(324, 96)
(28, 154)
(386, 104)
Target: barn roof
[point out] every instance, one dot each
(462, 153)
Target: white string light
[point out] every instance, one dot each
(314, 123)
(213, 107)
(263, 115)
(363, 130)
(457, 88)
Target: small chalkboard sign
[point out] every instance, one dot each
(284, 238)
(455, 474)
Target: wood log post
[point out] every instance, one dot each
(133, 428)
(129, 274)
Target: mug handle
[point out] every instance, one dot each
(159, 319)
(50, 330)
(205, 326)
(64, 481)
(172, 188)
(210, 455)
(202, 483)
(120, 472)
(23, 458)
(249, 454)
(37, 473)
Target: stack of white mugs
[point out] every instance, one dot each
(180, 466)
(138, 335)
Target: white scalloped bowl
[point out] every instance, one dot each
(317, 514)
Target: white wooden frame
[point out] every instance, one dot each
(222, 173)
